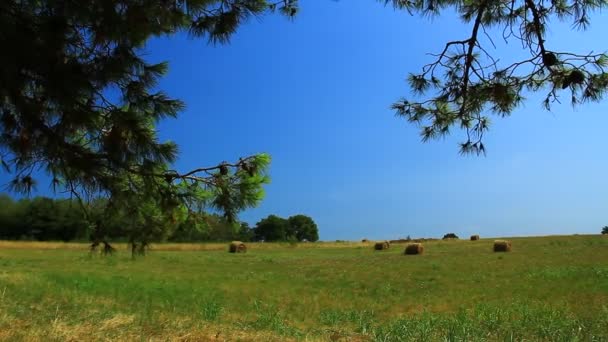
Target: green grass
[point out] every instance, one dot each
(547, 288)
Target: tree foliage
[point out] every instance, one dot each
(303, 227)
(468, 82)
(605, 230)
(41, 219)
(272, 228)
(294, 228)
(450, 236)
(46, 219)
(79, 102)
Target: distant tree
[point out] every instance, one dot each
(245, 233)
(605, 230)
(303, 227)
(41, 219)
(272, 228)
(45, 219)
(450, 236)
(70, 223)
(12, 218)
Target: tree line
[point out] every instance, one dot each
(48, 219)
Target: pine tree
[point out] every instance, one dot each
(77, 101)
(467, 82)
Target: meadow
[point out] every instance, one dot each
(547, 289)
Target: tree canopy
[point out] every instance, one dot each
(79, 102)
(450, 236)
(302, 227)
(468, 81)
(271, 228)
(41, 219)
(47, 219)
(294, 228)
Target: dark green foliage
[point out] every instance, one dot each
(272, 228)
(605, 230)
(54, 220)
(467, 82)
(46, 219)
(41, 219)
(450, 236)
(303, 228)
(245, 233)
(211, 227)
(79, 101)
(295, 228)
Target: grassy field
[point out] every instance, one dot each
(547, 288)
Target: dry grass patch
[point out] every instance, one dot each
(13, 278)
(69, 332)
(227, 335)
(117, 321)
(124, 328)
(175, 247)
(42, 245)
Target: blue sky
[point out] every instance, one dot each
(315, 94)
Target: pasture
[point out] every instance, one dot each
(547, 288)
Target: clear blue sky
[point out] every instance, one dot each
(315, 94)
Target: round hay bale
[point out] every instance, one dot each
(414, 248)
(474, 237)
(237, 247)
(381, 245)
(502, 246)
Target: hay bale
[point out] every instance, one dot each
(381, 245)
(237, 247)
(414, 248)
(502, 246)
(474, 237)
